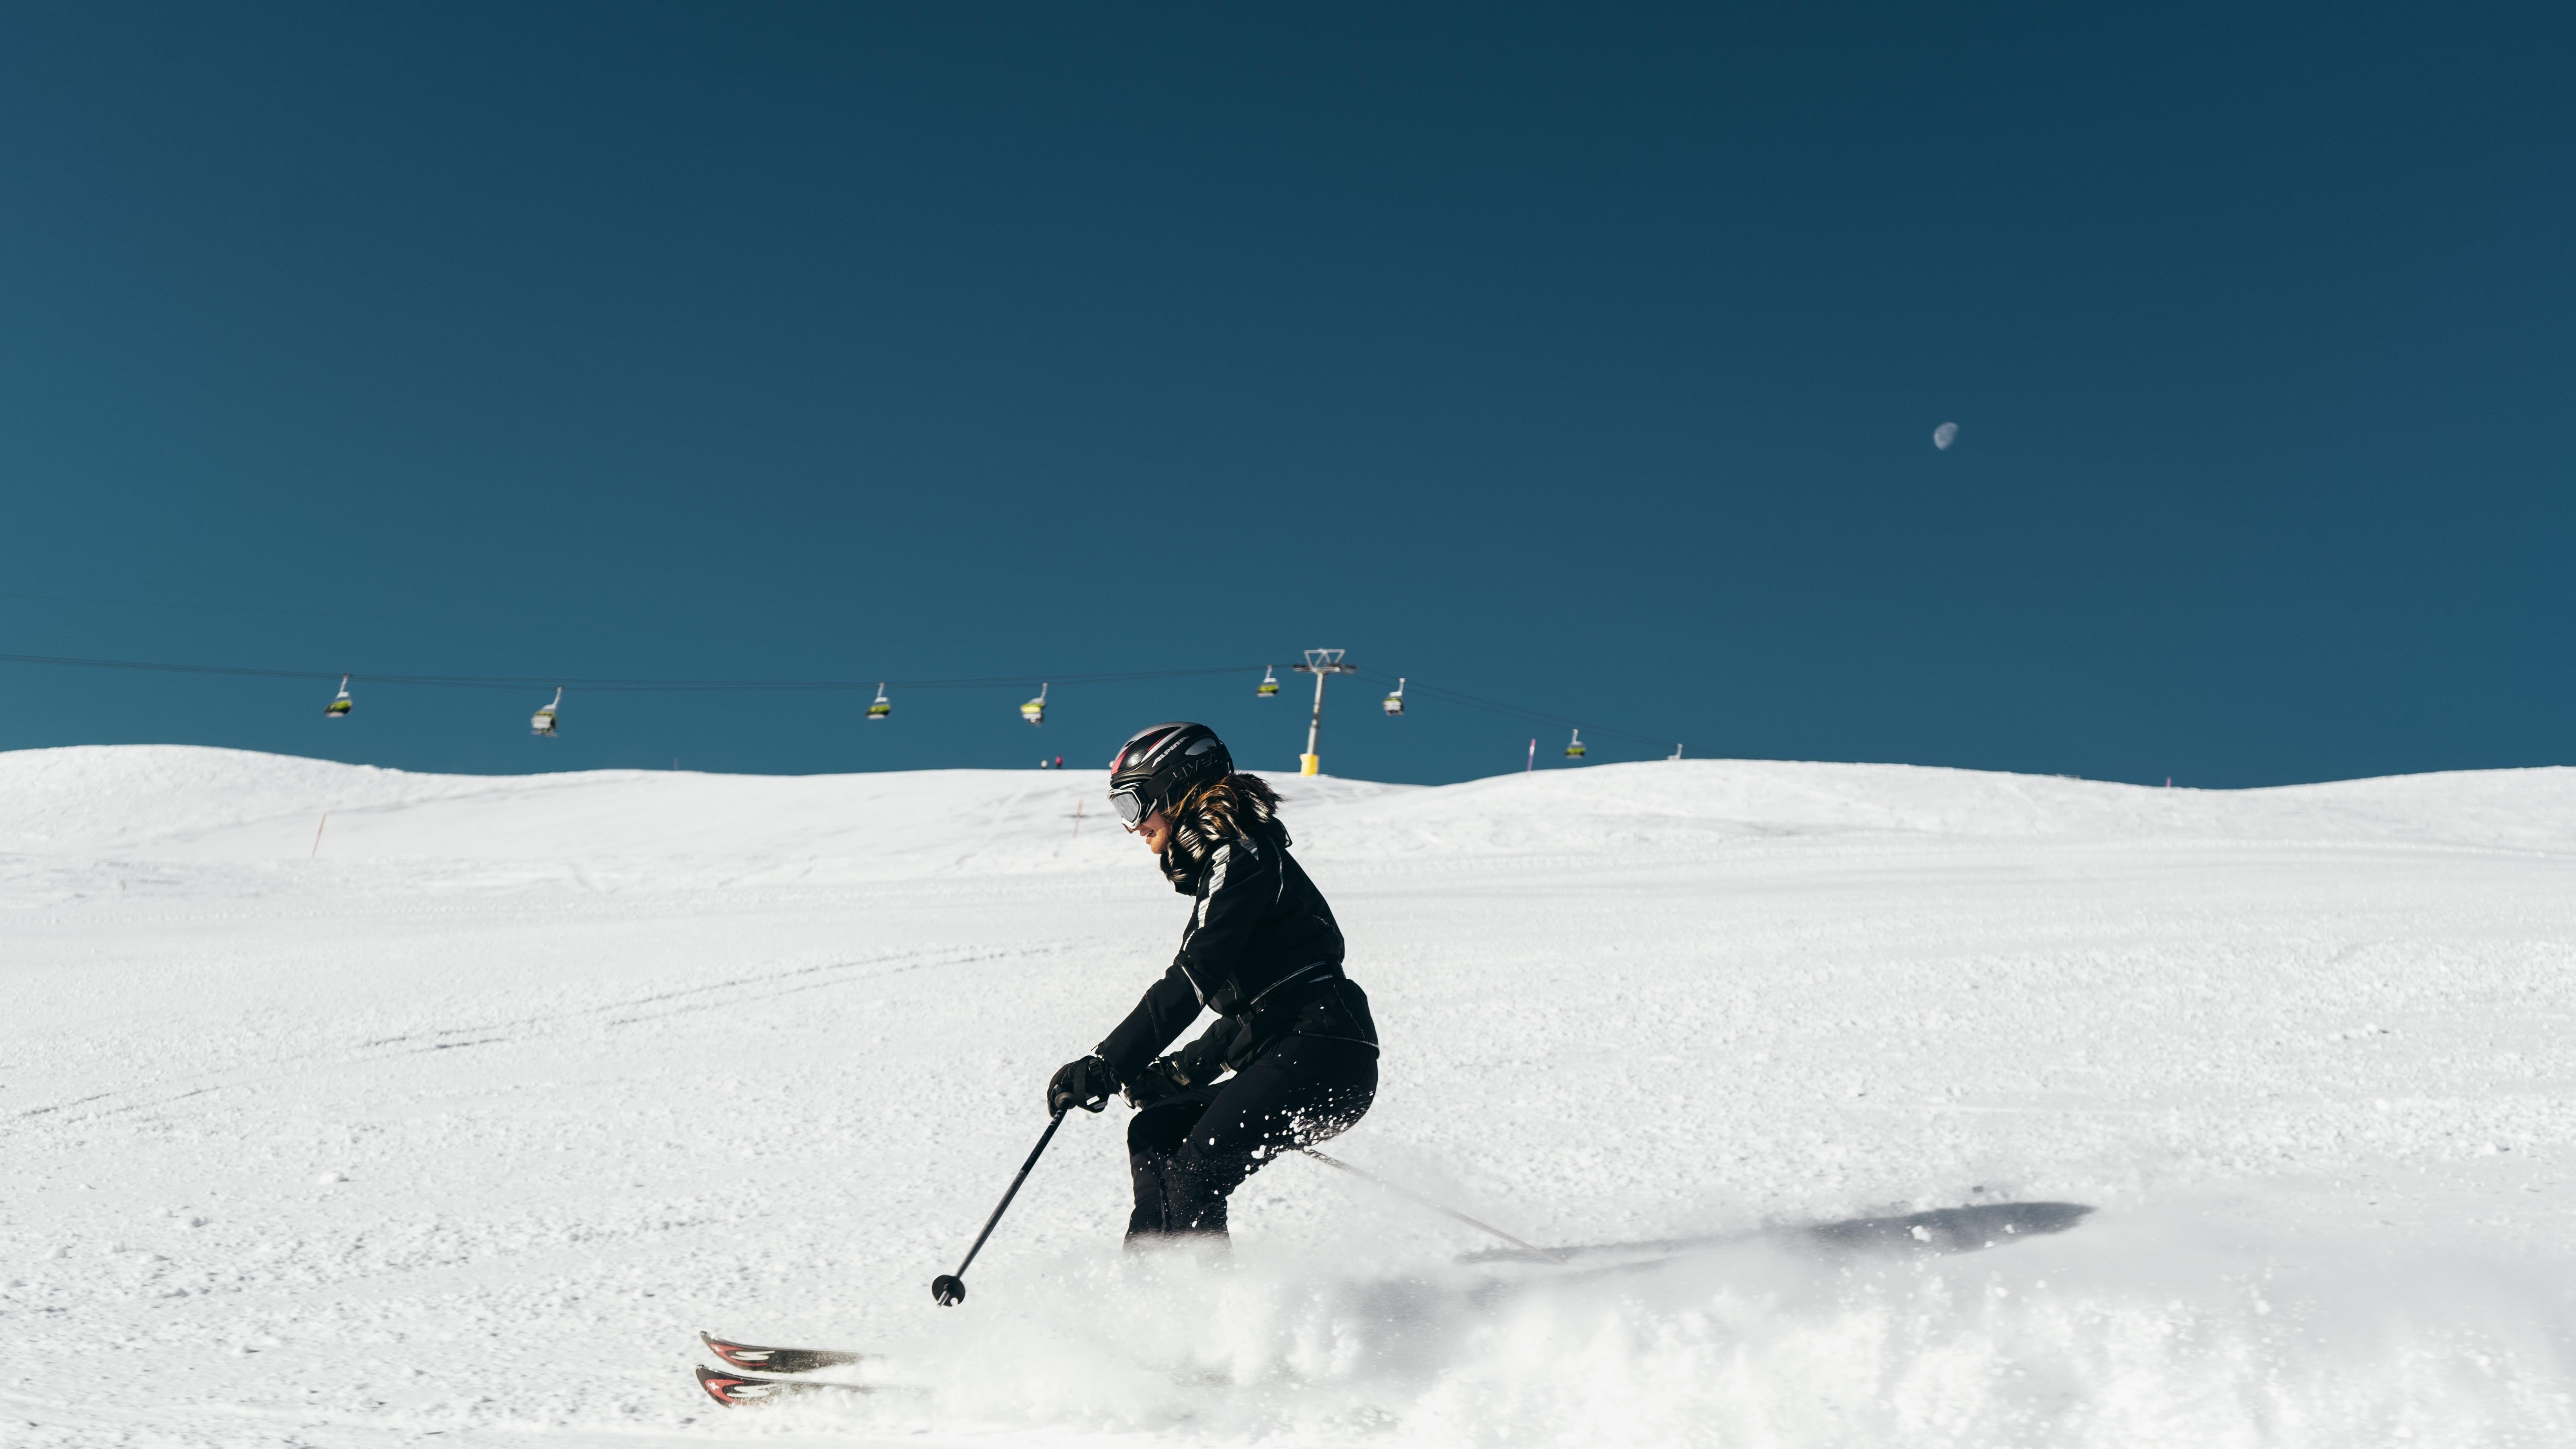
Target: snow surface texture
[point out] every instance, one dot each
(455, 1128)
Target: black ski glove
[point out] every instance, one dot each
(1087, 1084)
(1160, 1079)
(1204, 1060)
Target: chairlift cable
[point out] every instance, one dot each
(1517, 712)
(614, 685)
(640, 685)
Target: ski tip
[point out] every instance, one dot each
(733, 1390)
(748, 1391)
(761, 1359)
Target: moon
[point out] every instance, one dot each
(1944, 435)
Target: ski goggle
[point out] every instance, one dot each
(1130, 805)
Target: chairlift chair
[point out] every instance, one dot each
(1393, 704)
(1035, 710)
(1574, 747)
(339, 708)
(883, 708)
(1268, 688)
(542, 723)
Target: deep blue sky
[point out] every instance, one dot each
(1582, 358)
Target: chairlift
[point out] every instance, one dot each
(339, 708)
(543, 721)
(1268, 688)
(1574, 748)
(1393, 704)
(883, 708)
(1035, 710)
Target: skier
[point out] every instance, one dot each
(1292, 1057)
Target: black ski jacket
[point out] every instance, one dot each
(1261, 950)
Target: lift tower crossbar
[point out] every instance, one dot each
(1319, 663)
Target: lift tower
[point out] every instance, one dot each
(1319, 663)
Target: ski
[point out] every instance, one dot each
(746, 1391)
(778, 1360)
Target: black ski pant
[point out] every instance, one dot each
(1189, 1150)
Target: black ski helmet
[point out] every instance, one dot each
(1160, 764)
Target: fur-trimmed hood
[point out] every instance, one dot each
(1229, 809)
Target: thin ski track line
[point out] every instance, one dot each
(729, 984)
(305, 1061)
(744, 999)
(180, 1422)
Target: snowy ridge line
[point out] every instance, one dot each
(612, 828)
(1688, 857)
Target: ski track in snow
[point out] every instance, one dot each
(1872, 1106)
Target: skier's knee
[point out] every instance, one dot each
(1158, 1131)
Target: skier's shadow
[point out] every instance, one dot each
(1942, 1230)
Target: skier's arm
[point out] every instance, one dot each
(1241, 884)
(1167, 1009)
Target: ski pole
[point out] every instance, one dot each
(949, 1289)
(1412, 1196)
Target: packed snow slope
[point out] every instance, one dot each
(1860, 1105)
